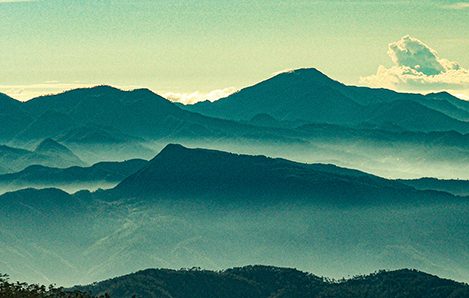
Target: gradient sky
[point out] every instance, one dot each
(187, 46)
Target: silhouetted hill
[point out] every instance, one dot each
(40, 205)
(308, 95)
(198, 207)
(179, 172)
(13, 118)
(267, 281)
(304, 94)
(16, 159)
(48, 124)
(456, 187)
(59, 151)
(41, 176)
(138, 112)
(104, 114)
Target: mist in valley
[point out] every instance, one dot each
(109, 239)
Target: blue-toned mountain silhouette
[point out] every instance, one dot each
(214, 209)
(307, 95)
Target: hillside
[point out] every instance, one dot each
(99, 175)
(220, 176)
(48, 153)
(307, 95)
(267, 281)
(216, 210)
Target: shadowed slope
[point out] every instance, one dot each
(267, 281)
(179, 172)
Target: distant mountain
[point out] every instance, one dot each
(213, 209)
(179, 172)
(13, 118)
(106, 115)
(308, 95)
(48, 153)
(56, 150)
(267, 281)
(48, 124)
(453, 186)
(100, 174)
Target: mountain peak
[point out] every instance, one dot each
(49, 145)
(52, 148)
(182, 173)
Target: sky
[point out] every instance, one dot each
(194, 50)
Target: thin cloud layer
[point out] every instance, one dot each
(417, 66)
(191, 98)
(459, 5)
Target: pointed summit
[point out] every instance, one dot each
(299, 95)
(52, 148)
(179, 173)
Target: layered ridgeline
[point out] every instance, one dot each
(47, 153)
(249, 281)
(309, 96)
(71, 179)
(179, 173)
(216, 210)
(267, 281)
(104, 113)
(302, 115)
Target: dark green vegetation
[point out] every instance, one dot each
(266, 281)
(24, 290)
(249, 281)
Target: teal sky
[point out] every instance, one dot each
(187, 46)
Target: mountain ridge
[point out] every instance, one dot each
(262, 281)
(308, 95)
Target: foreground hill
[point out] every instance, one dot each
(266, 281)
(307, 95)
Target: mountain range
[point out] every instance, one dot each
(296, 171)
(268, 281)
(300, 115)
(307, 95)
(99, 175)
(215, 209)
(47, 153)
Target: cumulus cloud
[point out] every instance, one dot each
(417, 66)
(191, 98)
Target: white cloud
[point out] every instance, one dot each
(462, 96)
(191, 98)
(26, 92)
(418, 67)
(459, 5)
